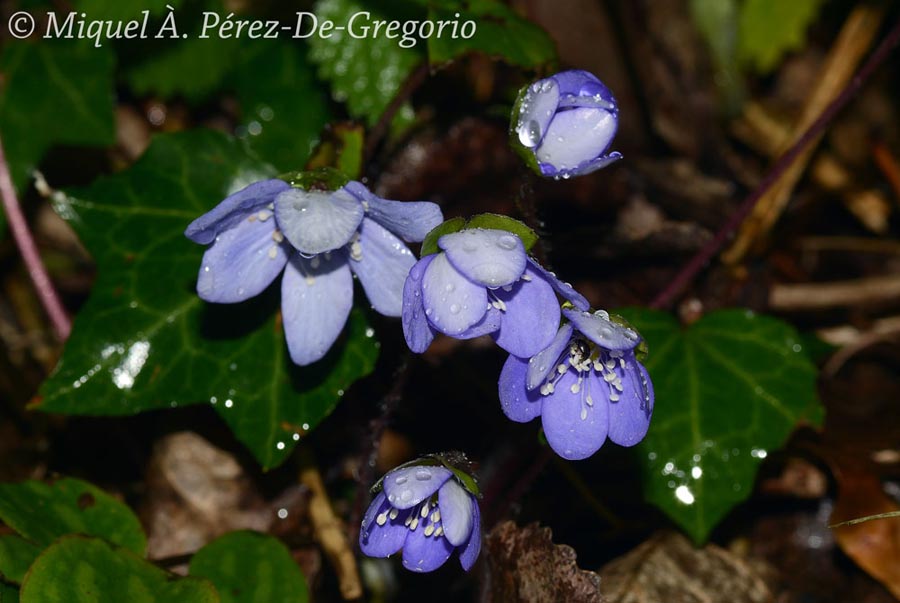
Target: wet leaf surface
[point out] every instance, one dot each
(16, 554)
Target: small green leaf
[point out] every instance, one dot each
(767, 29)
(248, 567)
(43, 512)
(16, 555)
(365, 72)
(498, 32)
(498, 222)
(8, 594)
(429, 244)
(283, 106)
(144, 340)
(88, 570)
(729, 389)
(53, 93)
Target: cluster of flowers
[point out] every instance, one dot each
(575, 369)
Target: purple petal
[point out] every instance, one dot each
(582, 169)
(574, 428)
(409, 220)
(531, 317)
(242, 261)
(577, 82)
(629, 416)
(317, 221)
(233, 209)
(316, 296)
(598, 328)
(416, 330)
(536, 111)
(545, 361)
(517, 403)
(381, 536)
(493, 258)
(473, 546)
(565, 290)
(456, 512)
(452, 302)
(423, 553)
(382, 267)
(408, 486)
(576, 136)
(487, 325)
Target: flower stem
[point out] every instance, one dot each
(693, 267)
(30, 255)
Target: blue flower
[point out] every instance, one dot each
(428, 513)
(586, 386)
(319, 239)
(565, 124)
(483, 283)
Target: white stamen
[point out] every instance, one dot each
(436, 516)
(429, 530)
(277, 236)
(526, 277)
(424, 512)
(414, 524)
(273, 252)
(394, 513)
(264, 215)
(381, 519)
(438, 531)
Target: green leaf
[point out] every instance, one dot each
(341, 149)
(43, 512)
(364, 72)
(429, 244)
(729, 389)
(248, 567)
(87, 570)
(8, 594)
(283, 106)
(498, 222)
(53, 93)
(144, 340)
(498, 32)
(16, 555)
(717, 21)
(767, 29)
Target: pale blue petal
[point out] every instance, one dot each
(456, 512)
(235, 208)
(452, 302)
(577, 82)
(409, 220)
(487, 325)
(382, 265)
(316, 297)
(576, 136)
(536, 111)
(530, 318)
(517, 403)
(416, 329)
(565, 290)
(584, 168)
(544, 362)
(408, 486)
(241, 263)
(629, 416)
(423, 553)
(318, 221)
(575, 429)
(473, 546)
(386, 539)
(598, 328)
(493, 258)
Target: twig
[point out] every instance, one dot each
(854, 40)
(690, 270)
(848, 335)
(25, 242)
(853, 522)
(852, 244)
(329, 530)
(888, 166)
(817, 296)
(380, 129)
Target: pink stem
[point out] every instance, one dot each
(19, 227)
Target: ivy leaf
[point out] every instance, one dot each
(499, 32)
(767, 29)
(16, 555)
(53, 93)
(43, 512)
(144, 340)
(88, 570)
(8, 594)
(283, 106)
(364, 72)
(729, 388)
(248, 567)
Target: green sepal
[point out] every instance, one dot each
(319, 179)
(488, 221)
(642, 351)
(429, 244)
(526, 153)
(455, 461)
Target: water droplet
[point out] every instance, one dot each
(507, 242)
(530, 133)
(454, 308)
(401, 479)
(423, 475)
(449, 287)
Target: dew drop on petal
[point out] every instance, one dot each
(423, 475)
